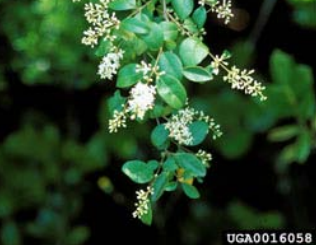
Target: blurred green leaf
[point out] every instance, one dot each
(283, 133)
(10, 234)
(77, 236)
(247, 218)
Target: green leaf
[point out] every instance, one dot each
(153, 165)
(171, 91)
(303, 146)
(116, 102)
(235, 143)
(170, 164)
(171, 186)
(192, 51)
(138, 171)
(197, 74)
(189, 25)
(281, 67)
(135, 25)
(159, 186)
(171, 64)
(159, 137)
(170, 30)
(148, 217)
(183, 8)
(128, 76)
(154, 39)
(10, 234)
(287, 155)
(122, 5)
(190, 191)
(103, 48)
(304, 91)
(160, 109)
(199, 17)
(77, 235)
(199, 132)
(133, 47)
(191, 163)
(283, 133)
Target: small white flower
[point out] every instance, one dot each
(243, 80)
(102, 23)
(178, 126)
(223, 10)
(141, 100)
(205, 157)
(142, 204)
(217, 62)
(118, 121)
(110, 64)
(90, 37)
(144, 67)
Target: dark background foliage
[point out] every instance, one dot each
(60, 178)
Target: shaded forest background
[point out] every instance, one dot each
(60, 178)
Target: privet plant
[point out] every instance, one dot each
(154, 48)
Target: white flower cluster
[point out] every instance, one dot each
(101, 22)
(214, 127)
(219, 61)
(178, 126)
(223, 9)
(149, 71)
(118, 121)
(142, 98)
(142, 204)
(205, 157)
(110, 64)
(243, 80)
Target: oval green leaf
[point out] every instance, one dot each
(170, 30)
(199, 16)
(190, 191)
(138, 171)
(159, 137)
(171, 64)
(197, 74)
(154, 39)
(192, 51)
(159, 186)
(171, 91)
(135, 25)
(199, 131)
(183, 8)
(191, 163)
(122, 5)
(147, 217)
(128, 76)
